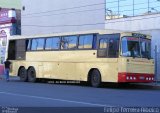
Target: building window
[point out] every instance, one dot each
(85, 42)
(52, 43)
(69, 42)
(23, 8)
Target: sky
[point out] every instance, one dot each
(126, 6)
(10, 4)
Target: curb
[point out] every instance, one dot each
(150, 85)
(1, 77)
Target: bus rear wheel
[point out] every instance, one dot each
(95, 78)
(23, 74)
(31, 74)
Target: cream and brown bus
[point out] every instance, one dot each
(93, 56)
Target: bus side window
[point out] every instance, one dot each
(103, 43)
(113, 48)
(34, 44)
(12, 50)
(28, 45)
(41, 42)
(38, 44)
(48, 45)
(52, 43)
(103, 47)
(69, 42)
(85, 42)
(20, 50)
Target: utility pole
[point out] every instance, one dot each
(133, 7)
(148, 7)
(118, 8)
(156, 60)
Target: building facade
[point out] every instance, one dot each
(51, 16)
(10, 24)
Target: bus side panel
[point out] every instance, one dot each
(70, 65)
(15, 65)
(79, 71)
(14, 68)
(60, 70)
(109, 72)
(38, 66)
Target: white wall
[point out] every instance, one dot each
(52, 19)
(140, 23)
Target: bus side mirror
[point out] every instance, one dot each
(102, 53)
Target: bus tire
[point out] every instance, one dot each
(95, 78)
(31, 73)
(23, 74)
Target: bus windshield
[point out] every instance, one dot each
(136, 47)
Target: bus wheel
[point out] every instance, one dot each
(31, 74)
(22, 74)
(95, 78)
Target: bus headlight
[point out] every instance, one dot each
(134, 78)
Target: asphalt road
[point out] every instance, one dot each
(20, 94)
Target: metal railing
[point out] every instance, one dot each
(130, 8)
(157, 64)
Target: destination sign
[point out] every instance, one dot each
(138, 35)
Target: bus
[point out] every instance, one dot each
(92, 56)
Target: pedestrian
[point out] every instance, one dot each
(7, 64)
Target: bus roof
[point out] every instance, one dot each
(106, 31)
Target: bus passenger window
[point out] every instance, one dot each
(103, 48)
(85, 42)
(12, 50)
(103, 43)
(41, 43)
(28, 44)
(52, 43)
(34, 44)
(69, 42)
(113, 48)
(37, 44)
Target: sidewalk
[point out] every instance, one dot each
(12, 78)
(1, 69)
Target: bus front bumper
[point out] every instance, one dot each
(135, 77)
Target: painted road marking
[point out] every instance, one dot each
(55, 99)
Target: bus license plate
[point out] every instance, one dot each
(141, 78)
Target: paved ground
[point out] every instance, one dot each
(20, 94)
